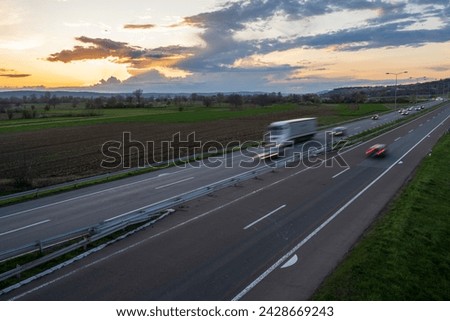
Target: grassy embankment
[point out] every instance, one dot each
(405, 254)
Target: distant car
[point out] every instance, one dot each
(422, 107)
(405, 112)
(375, 117)
(401, 111)
(417, 108)
(377, 150)
(339, 131)
(410, 108)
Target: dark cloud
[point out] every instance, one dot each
(246, 79)
(369, 37)
(110, 81)
(11, 73)
(213, 64)
(15, 75)
(389, 29)
(139, 26)
(121, 52)
(440, 68)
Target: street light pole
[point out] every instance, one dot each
(396, 76)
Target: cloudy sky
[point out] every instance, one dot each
(292, 46)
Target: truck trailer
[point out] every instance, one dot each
(287, 132)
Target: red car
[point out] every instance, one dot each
(377, 150)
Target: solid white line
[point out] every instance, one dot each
(397, 139)
(25, 227)
(174, 183)
(265, 216)
(341, 172)
(331, 218)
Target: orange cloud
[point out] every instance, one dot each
(123, 53)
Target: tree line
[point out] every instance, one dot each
(137, 99)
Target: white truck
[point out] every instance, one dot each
(287, 132)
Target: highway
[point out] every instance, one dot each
(43, 218)
(271, 238)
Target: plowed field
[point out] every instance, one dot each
(50, 156)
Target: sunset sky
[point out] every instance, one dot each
(221, 46)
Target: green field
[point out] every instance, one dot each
(65, 116)
(405, 255)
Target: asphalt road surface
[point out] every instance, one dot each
(271, 238)
(40, 219)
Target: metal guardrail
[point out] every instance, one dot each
(86, 236)
(80, 181)
(107, 176)
(42, 245)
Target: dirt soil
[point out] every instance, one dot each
(36, 159)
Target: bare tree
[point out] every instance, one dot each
(138, 94)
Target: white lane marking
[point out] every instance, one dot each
(397, 139)
(174, 183)
(331, 218)
(357, 128)
(23, 228)
(420, 125)
(291, 262)
(265, 216)
(81, 196)
(411, 131)
(341, 172)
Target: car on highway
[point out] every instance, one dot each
(417, 108)
(375, 117)
(422, 107)
(339, 131)
(405, 112)
(377, 150)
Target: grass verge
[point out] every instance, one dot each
(404, 256)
